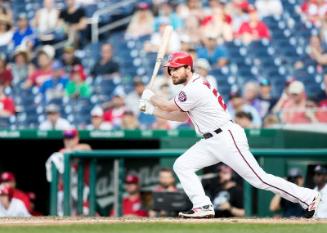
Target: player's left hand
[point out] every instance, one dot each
(147, 94)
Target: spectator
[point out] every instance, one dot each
(251, 94)
(294, 110)
(73, 20)
(254, 29)
(45, 22)
(8, 179)
(322, 110)
(11, 206)
(218, 23)
(203, 68)
(77, 87)
(68, 59)
(320, 180)
(289, 209)
(5, 31)
(269, 8)
(166, 11)
(227, 195)
(24, 34)
(267, 102)
(106, 66)
(7, 104)
(317, 51)
(54, 121)
(129, 121)
(132, 203)
(21, 68)
(133, 98)
(5, 73)
(97, 122)
(191, 29)
(167, 182)
(238, 11)
(44, 71)
(271, 121)
(161, 124)
(54, 88)
(155, 41)
(244, 119)
(141, 23)
(5, 9)
(238, 104)
(212, 52)
(114, 109)
(314, 10)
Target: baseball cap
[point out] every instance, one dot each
(203, 64)
(264, 82)
(294, 172)
(48, 50)
(320, 170)
(132, 179)
(70, 133)
(7, 177)
(143, 6)
(22, 16)
(296, 87)
(97, 111)
(52, 108)
(69, 48)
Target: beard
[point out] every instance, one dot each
(182, 79)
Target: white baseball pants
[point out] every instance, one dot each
(231, 147)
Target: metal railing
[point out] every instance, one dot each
(119, 157)
(96, 31)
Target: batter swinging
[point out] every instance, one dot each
(223, 140)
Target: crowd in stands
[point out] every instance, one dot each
(31, 64)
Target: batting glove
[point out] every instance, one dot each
(147, 94)
(146, 107)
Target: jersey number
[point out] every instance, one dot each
(215, 92)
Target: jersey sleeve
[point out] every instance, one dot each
(186, 99)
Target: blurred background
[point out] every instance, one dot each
(74, 70)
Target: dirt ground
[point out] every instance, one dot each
(99, 220)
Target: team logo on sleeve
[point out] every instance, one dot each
(182, 96)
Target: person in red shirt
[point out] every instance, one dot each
(132, 203)
(44, 71)
(7, 105)
(254, 29)
(8, 179)
(5, 74)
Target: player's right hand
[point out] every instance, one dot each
(146, 107)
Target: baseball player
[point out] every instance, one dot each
(223, 140)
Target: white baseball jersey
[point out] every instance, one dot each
(203, 104)
(16, 209)
(322, 208)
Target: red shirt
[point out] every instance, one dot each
(260, 30)
(7, 103)
(23, 197)
(5, 77)
(132, 207)
(38, 77)
(322, 111)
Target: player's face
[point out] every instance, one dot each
(178, 75)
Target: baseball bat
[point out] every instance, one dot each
(161, 54)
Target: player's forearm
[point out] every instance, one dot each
(161, 103)
(171, 116)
